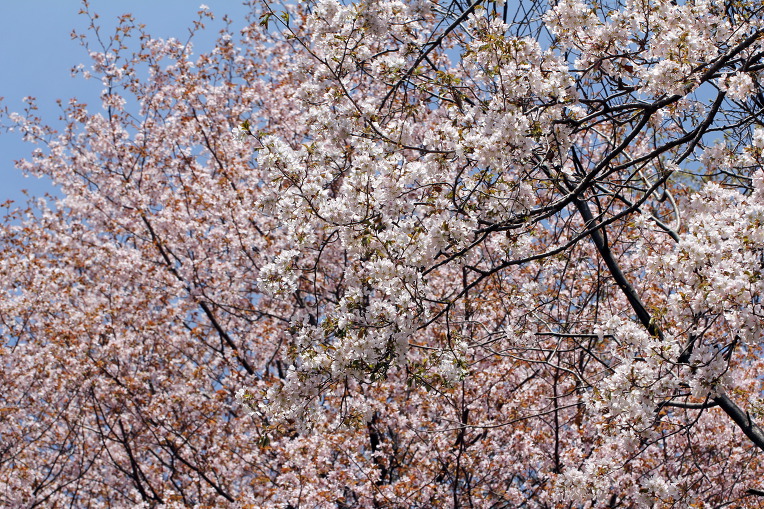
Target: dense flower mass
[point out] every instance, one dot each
(397, 254)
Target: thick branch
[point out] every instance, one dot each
(615, 270)
(742, 419)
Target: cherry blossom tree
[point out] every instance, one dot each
(396, 254)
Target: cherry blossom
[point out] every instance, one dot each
(396, 254)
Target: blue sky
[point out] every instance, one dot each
(37, 54)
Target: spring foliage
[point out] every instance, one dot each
(397, 254)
